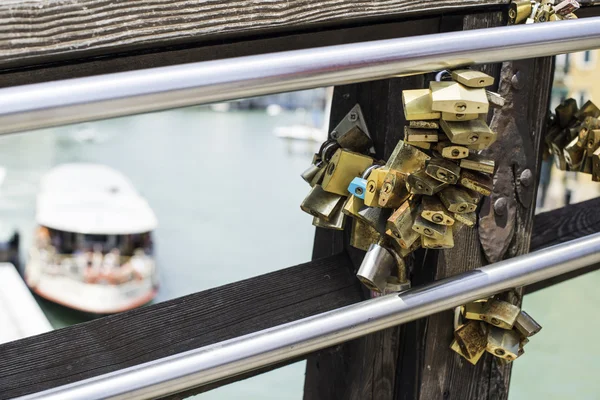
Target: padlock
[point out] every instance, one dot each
(458, 116)
(433, 210)
(496, 101)
(526, 326)
(393, 191)
(399, 225)
(573, 153)
(500, 313)
(451, 151)
(596, 165)
(565, 112)
(421, 145)
(342, 168)
(472, 78)
(589, 109)
(352, 133)
(313, 175)
(469, 219)
(519, 11)
(424, 124)
(503, 343)
(421, 183)
(336, 221)
(475, 162)
(406, 158)
(374, 184)
(543, 13)
(443, 170)
(453, 97)
(447, 242)
(472, 340)
(457, 200)
(475, 310)
(470, 133)
(352, 206)
(476, 181)
(427, 228)
(376, 267)
(566, 7)
(375, 217)
(420, 135)
(363, 235)
(417, 105)
(321, 204)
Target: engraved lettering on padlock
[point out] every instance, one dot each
(321, 204)
(432, 124)
(472, 78)
(447, 242)
(427, 228)
(342, 168)
(417, 105)
(352, 133)
(399, 225)
(526, 326)
(472, 340)
(443, 170)
(503, 343)
(406, 158)
(519, 11)
(433, 210)
(476, 181)
(336, 221)
(421, 183)
(393, 191)
(374, 184)
(420, 135)
(451, 151)
(453, 97)
(458, 116)
(469, 219)
(496, 101)
(573, 153)
(376, 267)
(476, 162)
(457, 200)
(474, 132)
(565, 112)
(501, 313)
(589, 109)
(363, 235)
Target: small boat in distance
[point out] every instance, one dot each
(92, 249)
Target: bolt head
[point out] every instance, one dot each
(500, 206)
(526, 178)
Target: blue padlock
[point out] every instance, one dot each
(358, 187)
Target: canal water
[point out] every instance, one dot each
(221, 184)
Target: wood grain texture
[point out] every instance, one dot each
(40, 31)
(107, 344)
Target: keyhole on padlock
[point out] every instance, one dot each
(427, 231)
(358, 191)
(499, 352)
(442, 175)
(371, 187)
(420, 186)
(495, 321)
(459, 116)
(455, 153)
(473, 138)
(437, 218)
(387, 188)
(462, 208)
(396, 234)
(460, 107)
(331, 168)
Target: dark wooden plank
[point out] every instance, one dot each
(111, 343)
(34, 32)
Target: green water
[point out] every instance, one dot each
(220, 182)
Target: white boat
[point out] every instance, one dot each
(93, 248)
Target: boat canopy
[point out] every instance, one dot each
(92, 199)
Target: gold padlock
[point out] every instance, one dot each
(479, 163)
(421, 145)
(363, 235)
(399, 225)
(469, 219)
(321, 204)
(496, 101)
(475, 132)
(336, 221)
(474, 310)
(472, 340)
(503, 343)
(374, 184)
(433, 210)
(458, 116)
(393, 191)
(477, 182)
(352, 206)
(526, 326)
(431, 124)
(417, 105)
(501, 313)
(352, 133)
(427, 228)
(565, 112)
(443, 170)
(406, 158)
(342, 168)
(420, 135)
(519, 11)
(451, 151)
(457, 200)
(472, 78)
(453, 97)
(421, 183)
(573, 153)
(589, 109)
(543, 13)
(447, 242)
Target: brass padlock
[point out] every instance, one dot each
(501, 313)
(589, 109)
(565, 112)
(496, 101)
(393, 191)
(472, 78)
(376, 267)
(472, 340)
(421, 183)
(321, 204)
(352, 206)
(526, 326)
(417, 105)
(420, 135)
(573, 153)
(479, 163)
(336, 221)
(469, 219)
(424, 124)
(406, 158)
(427, 228)
(471, 133)
(477, 182)
(451, 151)
(421, 145)
(342, 168)
(457, 200)
(399, 225)
(543, 13)
(374, 184)
(474, 310)
(376, 217)
(443, 170)
(433, 210)
(447, 242)
(519, 11)
(458, 116)
(453, 97)
(352, 133)
(503, 343)
(363, 235)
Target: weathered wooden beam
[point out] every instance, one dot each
(119, 341)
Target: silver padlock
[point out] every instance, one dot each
(376, 268)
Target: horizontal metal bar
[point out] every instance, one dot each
(84, 99)
(236, 356)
